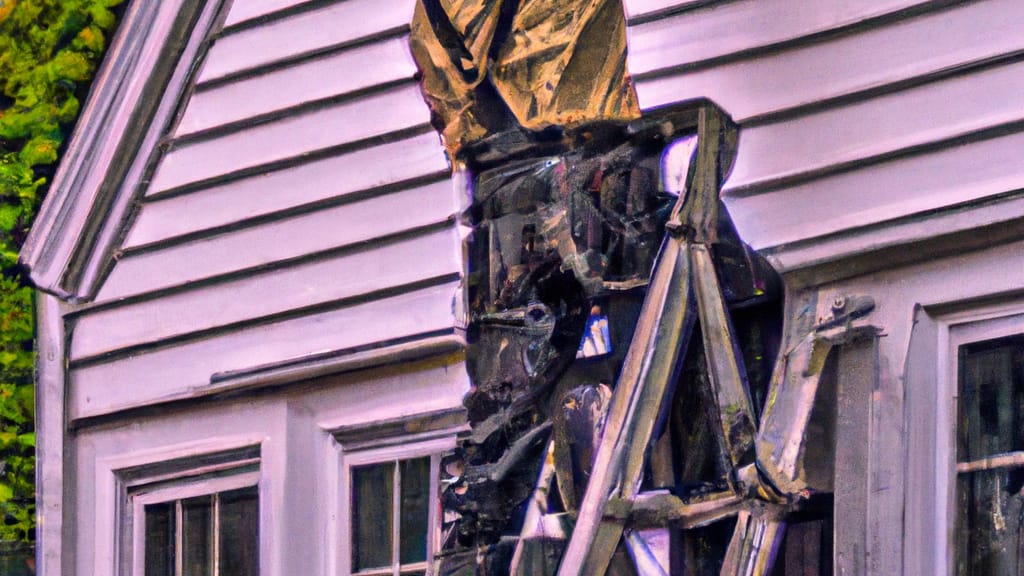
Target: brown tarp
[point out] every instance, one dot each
(546, 63)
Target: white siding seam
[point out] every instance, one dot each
(893, 223)
(284, 263)
(275, 14)
(283, 214)
(909, 82)
(768, 185)
(432, 343)
(670, 9)
(292, 161)
(300, 58)
(243, 124)
(847, 29)
(116, 354)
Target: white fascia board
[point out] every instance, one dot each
(134, 97)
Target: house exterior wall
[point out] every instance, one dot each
(292, 268)
(300, 222)
(301, 207)
(877, 155)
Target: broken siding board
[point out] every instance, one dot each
(185, 370)
(336, 74)
(877, 127)
(280, 240)
(261, 294)
(290, 137)
(264, 194)
(772, 82)
(721, 30)
(881, 192)
(304, 33)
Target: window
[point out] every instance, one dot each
(195, 517)
(212, 534)
(391, 516)
(989, 506)
(389, 493)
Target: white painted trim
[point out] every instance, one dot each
(973, 323)
(339, 487)
(114, 477)
(125, 96)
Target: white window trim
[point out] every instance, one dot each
(121, 479)
(955, 330)
(191, 489)
(386, 449)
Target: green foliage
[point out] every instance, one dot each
(49, 50)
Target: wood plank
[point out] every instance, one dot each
(639, 8)
(882, 192)
(340, 73)
(876, 127)
(242, 11)
(953, 221)
(271, 292)
(185, 370)
(856, 377)
(771, 82)
(292, 136)
(279, 240)
(727, 28)
(283, 189)
(303, 33)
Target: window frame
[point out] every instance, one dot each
(176, 493)
(360, 446)
(958, 329)
(182, 470)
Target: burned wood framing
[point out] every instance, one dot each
(561, 244)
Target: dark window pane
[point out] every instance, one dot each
(415, 475)
(990, 503)
(160, 539)
(990, 398)
(197, 536)
(991, 510)
(372, 518)
(239, 533)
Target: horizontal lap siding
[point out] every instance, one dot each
(854, 116)
(302, 208)
(312, 31)
(184, 370)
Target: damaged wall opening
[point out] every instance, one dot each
(594, 266)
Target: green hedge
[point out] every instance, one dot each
(49, 50)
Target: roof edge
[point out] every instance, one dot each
(139, 86)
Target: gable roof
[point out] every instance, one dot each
(135, 98)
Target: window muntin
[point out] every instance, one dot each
(392, 525)
(206, 527)
(989, 507)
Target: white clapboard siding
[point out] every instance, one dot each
(337, 23)
(263, 194)
(335, 74)
(773, 81)
(877, 193)
(693, 36)
(292, 136)
(243, 10)
(858, 121)
(878, 127)
(184, 370)
(647, 8)
(262, 294)
(280, 239)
